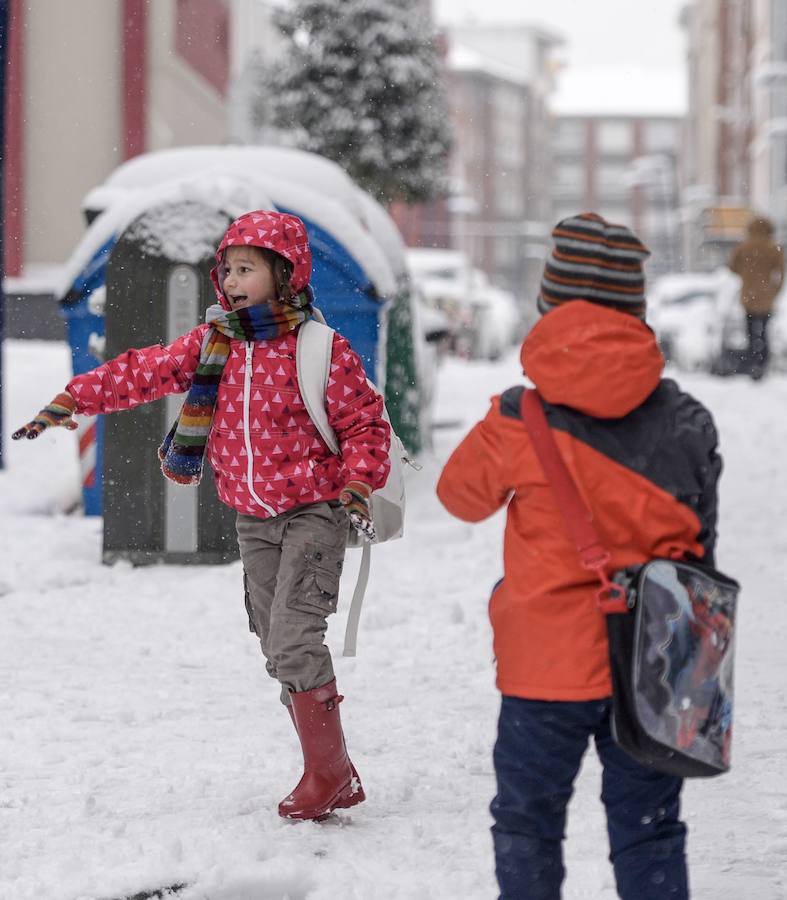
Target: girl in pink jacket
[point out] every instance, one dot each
(294, 498)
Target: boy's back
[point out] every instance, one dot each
(643, 454)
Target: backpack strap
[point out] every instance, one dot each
(313, 352)
(354, 615)
(577, 518)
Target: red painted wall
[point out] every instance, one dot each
(202, 39)
(13, 155)
(134, 77)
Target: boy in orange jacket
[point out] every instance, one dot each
(643, 455)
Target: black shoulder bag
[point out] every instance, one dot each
(670, 625)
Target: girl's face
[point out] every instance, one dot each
(246, 278)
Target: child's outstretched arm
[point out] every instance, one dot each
(134, 377)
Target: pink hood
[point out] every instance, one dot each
(283, 233)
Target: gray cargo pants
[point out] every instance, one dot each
(292, 564)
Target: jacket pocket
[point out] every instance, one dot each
(319, 591)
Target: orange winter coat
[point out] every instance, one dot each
(760, 263)
(644, 457)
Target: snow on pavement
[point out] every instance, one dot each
(142, 744)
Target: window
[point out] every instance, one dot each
(778, 29)
(614, 137)
(659, 223)
(611, 179)
(661, 136)
(570, 178)
(506, 252)
(509, 192)
(570, 136)
(509, 123)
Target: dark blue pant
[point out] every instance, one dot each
(539, 749)
(757, 328)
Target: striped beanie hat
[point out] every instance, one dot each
(596, 261)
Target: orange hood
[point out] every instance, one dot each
(594, 359)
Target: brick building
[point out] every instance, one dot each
(498, 81)
(617, 150)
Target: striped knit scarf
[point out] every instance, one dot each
(183, 449)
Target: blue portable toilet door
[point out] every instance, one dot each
(81, 324)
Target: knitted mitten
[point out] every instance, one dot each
(58, 412)
(355, 499)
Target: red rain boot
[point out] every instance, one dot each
(352, 767)
(329, 779)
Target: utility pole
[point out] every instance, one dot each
(4, 20)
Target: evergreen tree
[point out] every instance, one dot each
(359, 83)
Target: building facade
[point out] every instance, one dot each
(625, 168)
(93, 84)
(716, 190)
(736, 152)
(498, 82)
(617, 149)
(768, 129)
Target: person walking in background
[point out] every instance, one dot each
(643, 455)
(294, 498)
(759, 261)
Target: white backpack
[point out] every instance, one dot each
(313, 363)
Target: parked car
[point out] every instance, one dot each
(496, 319)
(484, 319)
(683, 312)
(700, 323)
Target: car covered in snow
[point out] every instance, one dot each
(683, 311)
(484, 320)
(701, 326)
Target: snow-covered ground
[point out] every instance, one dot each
(142, 744)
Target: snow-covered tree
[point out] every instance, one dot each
(359, 82)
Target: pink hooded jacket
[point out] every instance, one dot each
(265, 451)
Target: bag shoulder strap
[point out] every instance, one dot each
(354, 615)
(576, 516)
(313, 351)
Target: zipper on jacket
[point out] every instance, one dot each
(246, 435)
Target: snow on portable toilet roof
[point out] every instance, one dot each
(234, 194)
(237, 196)
(296, 166)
